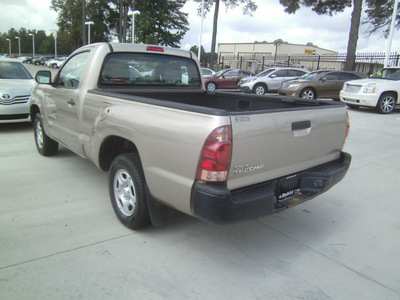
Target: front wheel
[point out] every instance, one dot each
(386, 103)
(44, 144)
(260, 89)
(211, 86)
(127, 191)
(308, 94)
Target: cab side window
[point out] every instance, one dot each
(70, 74)
(331, 76)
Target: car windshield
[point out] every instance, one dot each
(313, 75)
(388, 73)
(13, 70)
(265, 73)
(143, 70)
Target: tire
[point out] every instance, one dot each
(308, 93)
(44, 144)
(211, 86)
(54, 66)
(127, 191)
(386, 103)
(260, 89)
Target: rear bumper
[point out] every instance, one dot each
(217, 204)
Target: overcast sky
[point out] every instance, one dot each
(268, 23)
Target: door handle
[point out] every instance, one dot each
(71, 102)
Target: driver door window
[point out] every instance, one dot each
(71, 73)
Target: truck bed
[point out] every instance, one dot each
(219, 103)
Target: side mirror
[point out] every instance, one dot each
(43, 77)
(323, 79)
(272, 76)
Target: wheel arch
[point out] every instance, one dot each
(264, 84)
(214, 82)
(111, 147)
(390, 92)
(33, 111)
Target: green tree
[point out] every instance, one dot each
(249, 6)
(163, 19)
(380, 13)
(69, 22)
(330, 7)
(195, 50)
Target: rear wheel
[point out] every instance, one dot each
(211, 86)
(260, 89)
(386, 103)
(44, 144)
(308, 93)
(127, 191)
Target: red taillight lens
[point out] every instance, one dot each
(347, 129)
(215, 157)
(153, 48)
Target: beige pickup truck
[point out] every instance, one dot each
(141, 113)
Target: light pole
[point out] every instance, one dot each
(133, 14)
(88, 23)
(9, 45)
(19, 45)
(201, 30)
(55, 43)
(33, 44)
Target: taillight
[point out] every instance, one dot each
(215, 157)
(347, 129)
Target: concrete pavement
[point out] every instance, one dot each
(59, 238)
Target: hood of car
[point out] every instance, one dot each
(248, 79)
(10, 88)
(371, 80)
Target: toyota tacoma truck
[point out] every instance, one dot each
(142, 113)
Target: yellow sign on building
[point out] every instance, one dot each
(309, 51)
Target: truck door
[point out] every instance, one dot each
(63, 101)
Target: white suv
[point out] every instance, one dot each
(381, 91)
(269, 80)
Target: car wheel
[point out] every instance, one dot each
(386, 103)
(37, 63)
(127, 191)
(54, 66)
(211, 86)
(308, 93)
(44, 144)
(260, 89)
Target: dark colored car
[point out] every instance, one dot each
(225, 79)
(41, 60)
(318, 84)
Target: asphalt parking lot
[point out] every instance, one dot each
(59, 238)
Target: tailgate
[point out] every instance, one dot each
(270, 145)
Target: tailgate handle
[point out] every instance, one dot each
(301, 128)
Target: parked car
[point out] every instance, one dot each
(16, 84)
(381, 91)
(324, 84)
(269, 80)
(207, 72)
(225, 79)
(55, 62)
(41, 60)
